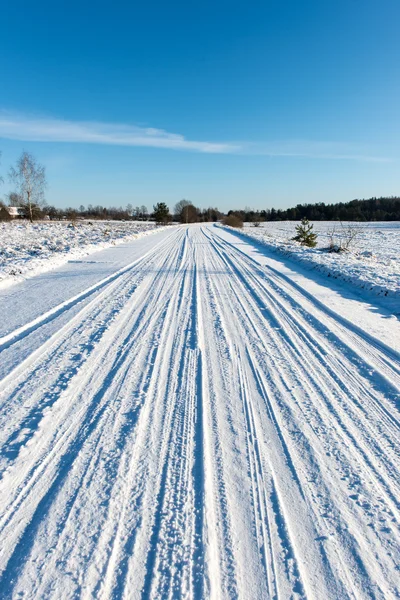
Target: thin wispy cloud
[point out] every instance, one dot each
(43, 129)
(17, 127)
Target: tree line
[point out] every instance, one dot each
(372, 209)
(28, 177)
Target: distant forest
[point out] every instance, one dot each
(374, 209)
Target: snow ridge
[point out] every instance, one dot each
(29, 249)
(376, 276)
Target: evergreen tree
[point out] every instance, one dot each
(161, 212)
(305, 234)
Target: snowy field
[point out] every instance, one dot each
(185, 416)
(372, 263)
(27, 250)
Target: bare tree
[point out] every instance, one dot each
(29, 178)
(350, 235)
(181, 210)
(343, 239)
(186, 212)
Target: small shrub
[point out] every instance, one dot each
(305, 234)
(344, 239)
(233, 221)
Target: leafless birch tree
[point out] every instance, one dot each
(29, 177)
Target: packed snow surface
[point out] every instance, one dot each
(372, 262)
(186, 417)
(27, 249)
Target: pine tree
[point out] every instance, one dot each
(161, 213)
(305, 234)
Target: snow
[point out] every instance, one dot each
(28, 249)
(372, 263)
(191, 416)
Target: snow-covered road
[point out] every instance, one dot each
(196, 424)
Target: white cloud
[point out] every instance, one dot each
(17, 127)
(38, 129)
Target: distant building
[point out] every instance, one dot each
(16, 212)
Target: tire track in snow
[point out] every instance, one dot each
(16, 335)
(200, 429)
(158, 525)
(292, 583)
(83, 333)
(122, 351)
(298, 358)
(346, 425)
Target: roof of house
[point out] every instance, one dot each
(15, 211)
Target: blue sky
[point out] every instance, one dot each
(228, 104)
